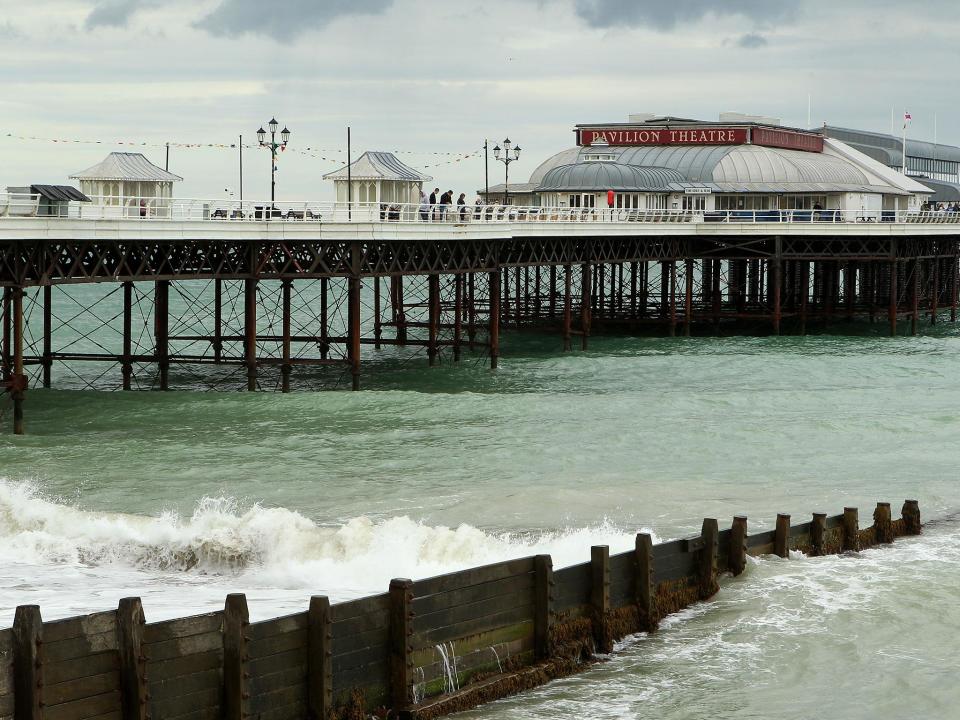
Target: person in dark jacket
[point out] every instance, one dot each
(462, 207)
(433, 203)
(446, 200)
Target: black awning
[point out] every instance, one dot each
(59, 193)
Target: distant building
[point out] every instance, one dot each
(378, 177)
(739, 163)
(128, 180)
(935, 165)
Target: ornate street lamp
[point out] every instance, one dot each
(506, 160)
(274, 146)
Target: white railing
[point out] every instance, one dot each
(14, 205)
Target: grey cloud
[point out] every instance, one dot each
(114, 13)
(752, 41)
(284, 20)
(668, 14)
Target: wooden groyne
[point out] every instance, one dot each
(424, 649)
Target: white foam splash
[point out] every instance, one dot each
(272, 549)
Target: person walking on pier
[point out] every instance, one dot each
(424, 206)
(433, 203)
(446, 200)
(462, 207)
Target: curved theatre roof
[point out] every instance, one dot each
(722, 168)
(609, 176)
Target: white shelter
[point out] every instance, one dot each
(379, 177)
(128, 180)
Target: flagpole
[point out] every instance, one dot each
(904, 142)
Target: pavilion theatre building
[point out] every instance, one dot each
(739, 163)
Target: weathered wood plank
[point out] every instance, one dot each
(471, 611)
(472, 627)
(183, 627)
(378, 638)
(663, 551)
(800, 530)
(80, 688)
(363, 656)
(762, 538)
(399, 647)
(483, 657)
(361, 677)
(81, 646)
(182, 704)
(360, 623)
(572, 586)
(515, 584)
(6, 706)
(180, 666)
(88, 707)
(361, 606)
(543, 604)
(280, 661)
(472, 576)
(277, 626)
(520, 631)
(833, 521)
(186, 684)
(93, 624)
(278, 643)
(276, 698)
(294, 711)
(296, 675)
(236, 620)
(80, 667)
(179, 647)
(207, 713)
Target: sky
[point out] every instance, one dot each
(432, 80)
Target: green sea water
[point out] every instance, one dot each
(181, 497)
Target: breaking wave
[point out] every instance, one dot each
(277, 545)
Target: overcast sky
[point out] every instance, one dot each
(438, 77)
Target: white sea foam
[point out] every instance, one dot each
(274, 550)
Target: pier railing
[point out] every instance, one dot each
(423, 649)
(234, 211)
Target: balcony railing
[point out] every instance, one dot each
(254, 211)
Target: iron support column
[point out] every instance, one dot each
(250, 331)
(47, 360)
(19, 379)
(126, 367)
(161, 312)
(286, 367)
(494, 318)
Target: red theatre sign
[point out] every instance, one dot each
(664, 136)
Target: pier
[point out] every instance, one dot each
(422, 649)
(270, 293)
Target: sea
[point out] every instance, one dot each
(181, 497)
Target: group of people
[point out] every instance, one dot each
(439, 206)
(941, 207)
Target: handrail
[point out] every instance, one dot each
(21, 205)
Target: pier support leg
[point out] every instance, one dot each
(161, 311)
(585, 306)
(471, 309)
(457, 315)
(494, 318)
(673, 298)
(353, 315)
(715, 294)
(892, 311)
(377, 328)
(126, 367)
(47, 359)
(250, 331)
(633, 290)
(286, 367)
(738, 545)
(433, 302)
(915, 297)
(954, 272)
(18, 386)
(935, 291)
(217, 321)
(324, 321)
(567, 307)
(6, 356)
(777, 290)
(688, 297)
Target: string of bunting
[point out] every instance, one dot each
(311, 151)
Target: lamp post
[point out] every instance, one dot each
(274, 145)
(506, 160)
